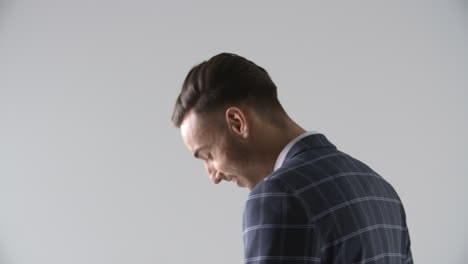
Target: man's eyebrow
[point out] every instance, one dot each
(195, 154)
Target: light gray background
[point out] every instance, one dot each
(92, 171)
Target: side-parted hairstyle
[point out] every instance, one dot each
(226, 79)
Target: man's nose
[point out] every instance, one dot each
(215, 177)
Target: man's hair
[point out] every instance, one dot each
(226, 79)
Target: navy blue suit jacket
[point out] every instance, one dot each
(324, 206)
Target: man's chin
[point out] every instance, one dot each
(237, 182)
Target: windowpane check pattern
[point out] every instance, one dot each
(324, 206)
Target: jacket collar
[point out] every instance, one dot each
(282, 155)
(313, 141)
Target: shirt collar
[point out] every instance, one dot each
(284, 152)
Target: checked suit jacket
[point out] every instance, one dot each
(324, 206)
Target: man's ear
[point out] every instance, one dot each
(237, 121)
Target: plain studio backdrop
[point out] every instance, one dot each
(92, 170)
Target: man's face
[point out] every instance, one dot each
(224, 156)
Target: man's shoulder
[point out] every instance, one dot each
(270, 187)
(326, 172)
(273, 202)
(309, 166)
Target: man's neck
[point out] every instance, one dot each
(274, 140)
(279, 139)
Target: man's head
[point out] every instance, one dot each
(230, 117)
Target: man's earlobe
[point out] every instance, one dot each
(237, 121)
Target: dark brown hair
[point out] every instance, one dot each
(225, 79)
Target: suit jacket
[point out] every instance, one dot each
(324, 206)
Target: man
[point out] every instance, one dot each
(308, 202)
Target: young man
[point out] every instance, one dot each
(308, 202)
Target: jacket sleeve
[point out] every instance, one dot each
(276, 228)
